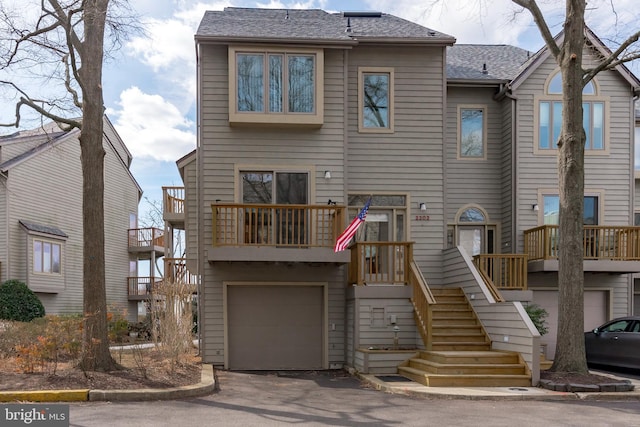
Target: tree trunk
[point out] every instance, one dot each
(95, 349)
(570, 352)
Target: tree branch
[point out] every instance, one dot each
(538, 17)
(613, 59)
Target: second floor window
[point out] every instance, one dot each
(375, 99)
(471, 134)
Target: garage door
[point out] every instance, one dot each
(595, 313)
(275, 327)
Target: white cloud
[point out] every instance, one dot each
(151, 127)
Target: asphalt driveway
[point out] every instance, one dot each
(336, 399)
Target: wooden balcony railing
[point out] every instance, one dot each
(600, 242)
(276, 225)
(175, 271)
(173, 200)
(380, 262)
(146, 237)
(141, 286)
(504, 271)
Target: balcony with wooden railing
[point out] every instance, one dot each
(272, 233)
(614, 249)
(380, 263)
(173, 205)
(146, 240)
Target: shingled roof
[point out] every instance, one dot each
(485, 62)
(312, 26)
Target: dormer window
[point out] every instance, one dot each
(275, 86)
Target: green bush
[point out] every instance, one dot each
(18, 302)
(537, 315)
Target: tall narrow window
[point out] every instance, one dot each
(376, 100)
(471, 134)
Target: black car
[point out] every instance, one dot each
(616, 343)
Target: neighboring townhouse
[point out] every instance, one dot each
(305, 115)
(41, 218)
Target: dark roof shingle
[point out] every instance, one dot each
(503, 62)
(311, 25)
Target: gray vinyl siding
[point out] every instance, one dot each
(610, 173)
(223, 147)
(120, 149)
(475, 181)
(47, 189)
(190, 212)
(410, 160)
(121, 198)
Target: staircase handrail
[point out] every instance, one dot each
(422, 301)
(495, 293)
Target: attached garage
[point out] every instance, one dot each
(275, 327)
(596, 303)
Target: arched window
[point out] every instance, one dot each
(473, 231)
(594, 116)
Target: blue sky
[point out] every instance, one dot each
(150, 87)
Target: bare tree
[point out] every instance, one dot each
(570, 351)
(68, 40)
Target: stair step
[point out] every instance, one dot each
(467, 368)
(456, 330)
(452, 312)
(472, 357)
(450, 298)
(460, 346)
(466, 337)
(479, 380)
(452, 305)
(453, 322)
(446, 291)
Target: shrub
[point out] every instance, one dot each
(18, 302)
(537, 315)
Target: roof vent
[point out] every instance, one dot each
(287, 15)
(484, 68)
(432, 33)
(348, 29)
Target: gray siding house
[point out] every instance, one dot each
(41, 217)
(305, 115)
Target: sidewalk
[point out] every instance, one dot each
(399, 385)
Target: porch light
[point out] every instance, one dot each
(535, 207)
(327, 174)
(423, 206)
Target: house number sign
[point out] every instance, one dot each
(422, 217)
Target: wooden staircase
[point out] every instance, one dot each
(460, 353)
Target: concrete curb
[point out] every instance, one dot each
(414, 389)
(206, 386)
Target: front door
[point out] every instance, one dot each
(383, 260)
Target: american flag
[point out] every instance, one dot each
(343, 240)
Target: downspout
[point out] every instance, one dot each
(345, 197)
(514, 172)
